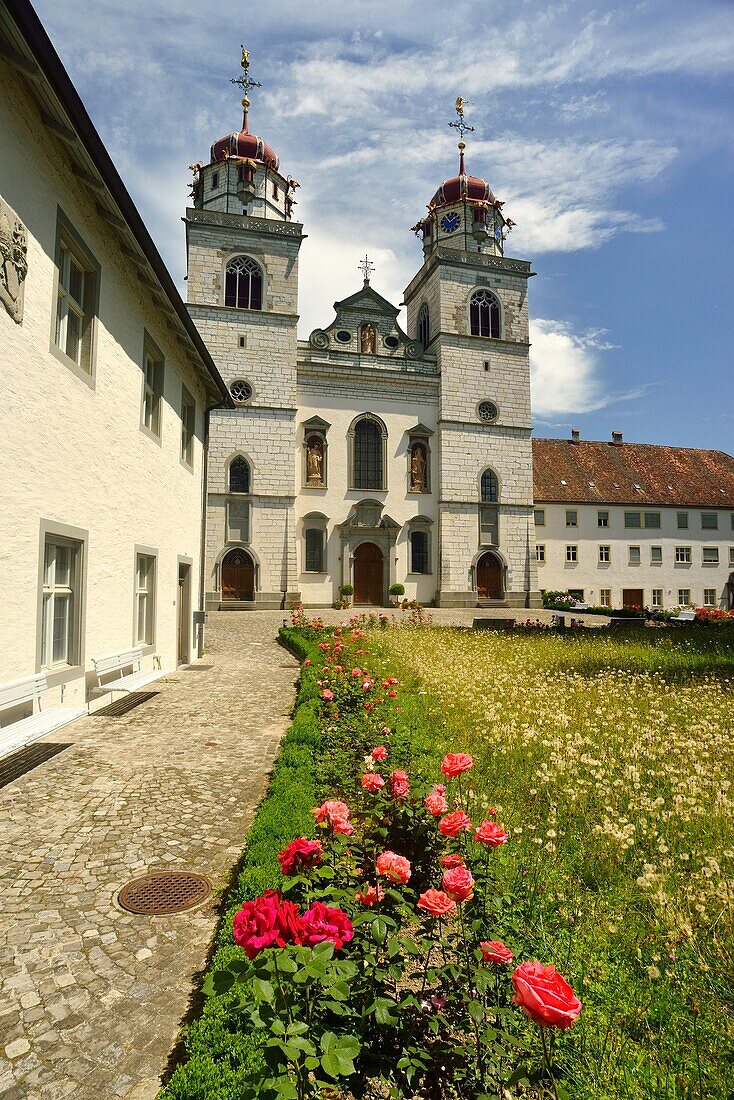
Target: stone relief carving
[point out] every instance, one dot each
(13, 261)
(319, 339)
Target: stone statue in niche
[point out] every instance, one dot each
(418, 468)
(13, 261)
(315, 460)
(368, 338)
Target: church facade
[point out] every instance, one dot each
(366, 456)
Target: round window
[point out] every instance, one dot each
(487, 411)
(392, 342)
(343, 336)
(241, 391)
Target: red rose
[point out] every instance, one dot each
(545, 996)
(494, 951)
(372, 781)
(489, 832)
(454, 763)
(451, 861)
(370, 895)
(453, 823)
(393, 866)
(436, 903)
(399, 784)
(458, 884)
(380, 752)
(266, 922)
(320, 923)
(300, 853)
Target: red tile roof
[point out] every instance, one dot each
(631, 473)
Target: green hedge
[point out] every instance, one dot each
(220, 1057)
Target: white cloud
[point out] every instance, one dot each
(566, 371)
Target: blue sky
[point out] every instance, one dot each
(606, 129)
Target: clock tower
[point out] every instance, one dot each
(468, 306)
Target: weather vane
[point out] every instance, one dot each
(366, 267)
(463, 127)
(245, 82)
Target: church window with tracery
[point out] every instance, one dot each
(239, 476)
(368, 471)
(484, 314)
(243, 285)
(424, 326)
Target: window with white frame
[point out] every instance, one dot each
(633, 555)
(709, 521)
(572, 554)
(656, 555)
(602, 519)
(684, 597)
(60, 602)
(682, 555)
(572, 517)
(540, 517)
(605, 597)
(188, 426)
(152, 389)
(605, 555)
(144, 599)
(657, 597)
(682, 521)
(540, 551)
(77, 282)
(709, 597)
(710, 555)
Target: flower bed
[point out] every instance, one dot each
(367, 954)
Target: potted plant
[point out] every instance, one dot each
(396, 590)
(346, 591)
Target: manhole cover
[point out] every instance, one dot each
(164, 892)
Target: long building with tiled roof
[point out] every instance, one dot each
(634, 524)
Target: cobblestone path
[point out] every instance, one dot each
(91, 997)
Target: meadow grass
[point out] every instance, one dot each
(610, 758)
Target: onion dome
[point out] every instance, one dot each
(463, 187)
(245, 145)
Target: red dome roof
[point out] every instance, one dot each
(463, 187)
(245, 145)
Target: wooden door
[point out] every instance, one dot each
(238, 576)
(184, 573)
(633, 597)
(489, 578)
(368, 575)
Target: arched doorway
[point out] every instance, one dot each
(368, 575)
(238, 576)
(489, 577)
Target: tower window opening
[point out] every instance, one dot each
(243, 287)
(276, 193)
(484, 314)
(215, 180)
(489, 488)
(486, 364)
(424, 326)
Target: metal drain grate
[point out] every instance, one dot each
(24, 760)
(124, 705)
(164, 892)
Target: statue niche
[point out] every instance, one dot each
(368, 339)
(315, 460)
(418, 468)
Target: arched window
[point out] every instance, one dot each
(484, 314)
(239, 476)
(424, 326)
(368, 470)
(314, 558)
(243, 284)
(489, 487)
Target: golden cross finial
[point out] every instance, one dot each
(245, 82)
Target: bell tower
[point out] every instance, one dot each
(468, 305)
(242, 249)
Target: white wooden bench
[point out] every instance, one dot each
(116, 663)
(39, 722)
(683, 617)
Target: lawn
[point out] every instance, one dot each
(611, 761)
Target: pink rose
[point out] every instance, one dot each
(367, 685)
(494, 951)
(399, 784)
(436, 903)
(307, 663)
(489, 832)
(320, 923)
(545, 996)
(458, 884)
(393, 866)
(379, 753)
(454, 763)
(356, 673)
(336, 814)
(372, 781)
(454, 823)
(300, 853)
(327, 695)
(370, 895)
(451, 861)
(435, 802)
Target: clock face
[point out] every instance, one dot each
(450, 222)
